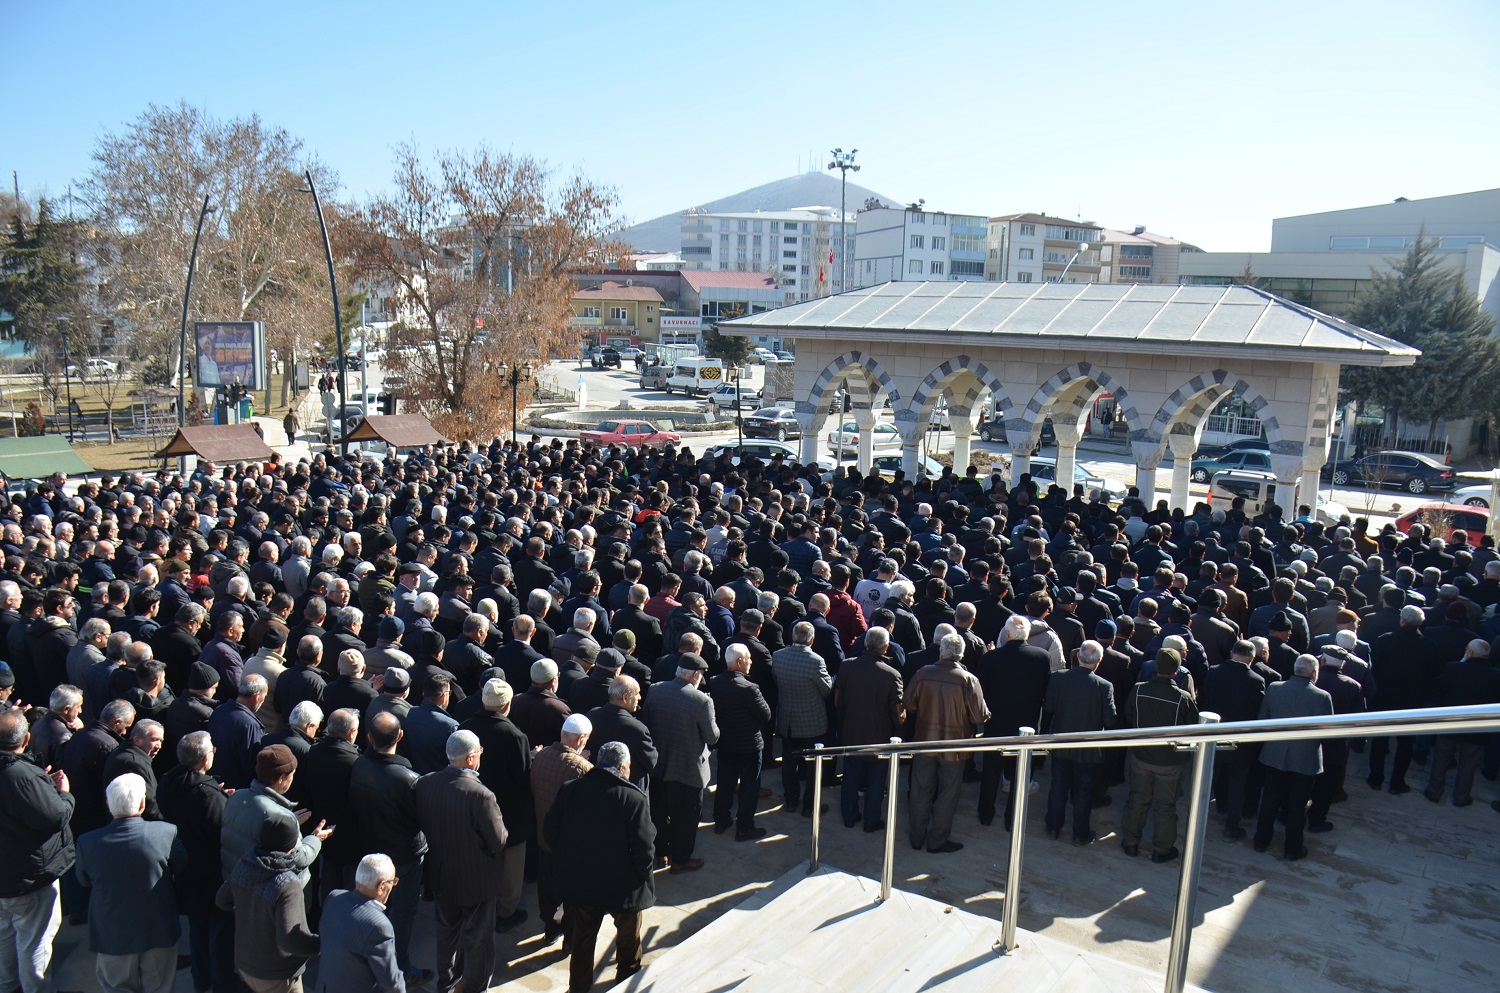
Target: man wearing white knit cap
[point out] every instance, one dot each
(553, 768)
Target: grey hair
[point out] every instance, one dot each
(476, 625)
(1090, 653)
(93, 628)
(1017, 628)
(767, 602)
(903, 589)
(114, 647)
(252, 685)
(373, 870)
(64, 696)
(461, 744)
(1346, 639)
(621, 688)
(735, 653)
(639, 594)
(612, 755)
(427, 604)
(537, 601)
(305, 713)
(141, 728)
(189, 613)
(877, 639)
(951, 648)
(116, 710)
(351, 616)
(342, 722)
(803, 633)
(238, 586)
(126, 795)
(1306, 665)
(1412, 616)
(193, 746)
(584, 618)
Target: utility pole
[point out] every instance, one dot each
(844, 162)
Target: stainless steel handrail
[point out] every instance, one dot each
(1203, 740)
(1438, 720)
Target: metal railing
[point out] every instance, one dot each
(1201, 739)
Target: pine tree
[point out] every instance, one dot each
(41, 281)
(1424, 304)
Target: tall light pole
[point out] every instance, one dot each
(338, 321)
(187, 295)
(515, 376)
(1083, 246)
(844, 162)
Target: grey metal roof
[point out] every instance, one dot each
(1142, 318)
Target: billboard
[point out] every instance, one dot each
(230, 352)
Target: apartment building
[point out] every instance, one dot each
(912, 243)
(798, 247)
(1140, 256)
(1030, 248)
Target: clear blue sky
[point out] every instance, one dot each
(1201, 120)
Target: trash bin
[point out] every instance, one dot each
(247, 409)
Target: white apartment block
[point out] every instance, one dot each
(908, 243)
(1140, 256)
(1030, 248)
(794, 246)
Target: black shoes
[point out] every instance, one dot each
(1129, 849)
(722, 828)
(503, 924)
(1085, 842)
(946, 848)
(1234, 834)
(1399, 788)
(1434, 799)
(1166, 856)
(1054, 834)
(754, 834)
(1300, 853)
(1320, 827)
(691, 865)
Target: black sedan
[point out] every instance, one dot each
(1410, 471)
(773, 422)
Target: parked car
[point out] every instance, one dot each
(723, 397)
(1044, 471)
(96, 367)
(1472, 496)
(1410, 471)
(605, 358)
(786, 356)
(926, 468)
(347, 419)
(1203, 469)
(1473, 521)
(886, 436)
(1239, 445)
(654, 377)
(759, 355)
(761, 448)
(992, 428)
(638, 433)
(773, 422)
(1259, 489)
(630, 353)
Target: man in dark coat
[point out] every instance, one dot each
(742, 713)
(600, 829)
(1234, 690)
(193, 800)
(35, 810)
(1077, 700)
(505, 770)
(323, 778)
(463, 825)
(1403, 663)
(135, 755)
(1014, 679)
(538, 712)
(616, 721)
(633, 618)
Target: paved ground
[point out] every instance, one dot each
(1404, 896)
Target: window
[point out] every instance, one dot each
(961, 268)
(941, 220)
(939, 244)
(789, 268)
(590, 312)
(1027, 254)
(758, 227)
(1028, 230)
(869, 266)
(789, 254)
(789, 241)
(619, 313)
(791, 282)
(1023, 277)
(937, 269)
(1136, 251)
(740, 240)
(743, 226)
(915, 267)
(917, 241)
(917, 217)
(1135, 271)
(757, 239)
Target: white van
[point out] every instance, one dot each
(1259, 489)
(697, 375)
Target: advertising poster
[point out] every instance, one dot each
(230, 352)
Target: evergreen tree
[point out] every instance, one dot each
(732, 349)
(1424, 304)
(42, 283)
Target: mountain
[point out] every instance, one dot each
(810, 189)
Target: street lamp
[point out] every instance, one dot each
(338, 318)
(187, 296)
(515, 376)
(844, 162)
(1083, 246)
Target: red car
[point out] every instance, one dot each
(635, 433)
(1449, 517)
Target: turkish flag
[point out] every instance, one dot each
(822, 275)
(830, 256)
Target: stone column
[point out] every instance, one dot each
(1068, 436)
(1307, 490)
(1019, 466)
(866, 417)
(1287, 469)
(911, 456)
(963, 433)
(1147, 458)
(1183, 447)
(807, 417)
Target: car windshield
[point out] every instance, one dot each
(608, 426)
(768, 412)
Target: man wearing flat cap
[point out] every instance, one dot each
(681, 718)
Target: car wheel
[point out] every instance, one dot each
(984, 434)
(1416, 484)
(1200, 475)
(1476, 502)
(1340, 477)
(668, 388)
(781, 434)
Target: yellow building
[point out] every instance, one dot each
(618, 314)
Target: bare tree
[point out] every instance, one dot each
(476, 252)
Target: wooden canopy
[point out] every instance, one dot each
(398, 431)
(220, 443)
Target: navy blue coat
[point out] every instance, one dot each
(129, 864)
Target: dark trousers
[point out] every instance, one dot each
(739, 780)
(989, 786)
(1335, 759)
(1107, 772)
(211, 942)
(677, 822)
(465, 946)
(1071, 780)
(401, 908)
(547, 900)
(1237, 781)
(868, 775)
(1284, 789)
(1153, 790)
(793, 770)
(1469, 751)
(586, 923)
(1402, 762)
(935, 783)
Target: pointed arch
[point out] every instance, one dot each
(1191, 402)
(920, 407)
(1025, 428)
(863, 375)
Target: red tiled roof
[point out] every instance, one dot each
(700, 278)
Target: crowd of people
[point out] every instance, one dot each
(291, 701)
